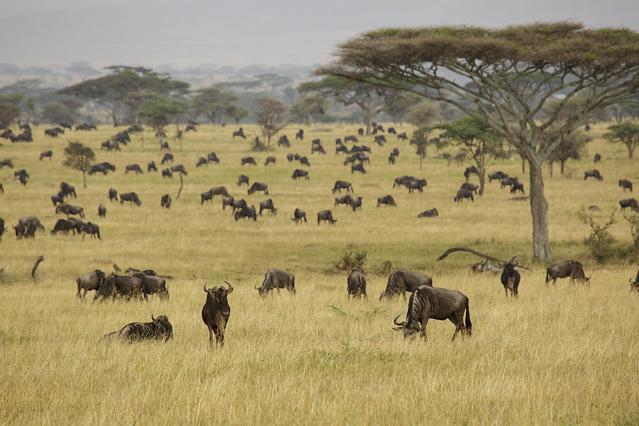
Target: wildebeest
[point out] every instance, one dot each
(345, 200)
(91, 229)
(6, 163)
(299, 215)
(629, 203)
(356, 284)
(270, 160)
(317, 147)
(402, 281)
(566, 269)
(159, 329)
(439, 304)
(469, 187)
(239, 133)
(151, 166)
(212, 157)
(21, 175)
(634, 285)
(27, 227)
(102, 210)
(227, 201)
(122, 137)
(103, 168)
(283, 141)
(114, 286)
(2, 227)
(243, 180)
(64, 226)
(216, 312)
(380, 140)
(201, 162)
(625, 184)
(110, 146)
(510, 278)
(594, 173)
(429, 213)
(239, 204)
(416, 184)
(463, 194)
(342, 184)
(152, 284)
(248, 160)
(386, 200)
(356, 203)
(358, 168)
(113, 194)
(341, 148)
(402, 136)
(88, 282)
(165, 201)
(350, 138)
(67, 190)
(246, 212)
(167, 173)
(167, 158)
(304, 161)
(131, 197)
(517, 187)
(190, 128)
(276, 279)
(179, 168)
(216, 190)
(470, 170)
(268, 205)
(402, 181)
(391, 158)
(299, 173)
(597, 157)
(325, 216)
(258, 187)
(508, 181)
(299, 135)
(135, 168)
(498, 175)
(70, 210)
(54, 132)
(46, 154)
(86, 126)
(135, 128)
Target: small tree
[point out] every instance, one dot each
(627, 133)
(58, 112)
(213, 103)
(270, 115)
(600, 240)
(571, 147)
(160, 112)
(79, 157)
(9, 109)
(421, 116)
(236, 113)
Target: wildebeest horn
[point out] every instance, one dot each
(514, 260)
(401, 324)
(152, 317)
(228, 284)
(257, 288)
(205, 290)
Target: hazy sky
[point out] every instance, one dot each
(242, 32)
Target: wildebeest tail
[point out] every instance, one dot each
(547, 276)
(467, 323)
(293, 284)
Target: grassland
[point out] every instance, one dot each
(561, 355)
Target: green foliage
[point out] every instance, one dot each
(572, 147)
(78, 156)
(160, 111)
(214, 103)
(270, 115)
(626, 133)
(600, 242)
(57, 112)
(9, 110)
(309, 107)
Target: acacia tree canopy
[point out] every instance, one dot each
(627, 133)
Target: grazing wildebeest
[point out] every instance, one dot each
(151, 167)
(358, 168)
(276, 279)
(258, 187)
(21, 175)
(341, 148)
(317, 147)
(2, 227)
(568, 268)
(360, 149)
(350, 138)
(356, 284)
(64, 226)
(463, 194)
(380, 140)
(304, 161)
(212, 157)
(416, 184)
(135, 168)
(594, 173)
(239, 204)
(243, 180)
(498, 175)
(299, 173)
(88, 282)
(402, 136)
(131, 197)
(246, 212)
(135, 128)
(6, 163)
(159, 329)
(54, 132)
(290, 157)
(325, 216)
(510, 278)
(403, 181)
(356, 203)
(227, 201)
(625, 184)
(216, 312)
(239, 133)
(46, 154)
(190, 128)
(517, 187)
(70, 210)
(152, 284)
(179, 168)
(629, 203)
(201, 162)
(102, 210)
(402, 281)
(2, 189)
(103, 168)
(164, 146)
(470, 170)
(91, 229)
(270, 160)
(299, 215)
(597, 158)
(508, 181)
(469, 187)
(268, 205)
(386, 200)
(299, 135)
(67, 190)
(114, 286)
(392, 131)
(345, 200)
(216, 190)
(283, 141)
(342, 184)
(113, 194)
(429, 213)
(439, 304)
(392, 158)
(7, 134)
(167, 158)
(110, 146)
(165, 201)
(248, 160)
(168, 173)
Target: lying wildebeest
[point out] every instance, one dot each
(70, 210)
(6, 163)
(594, 173)
(131, 197)
(566, 269)
(216, 190)
(510, 278)
(114, 286)
(159, 329)
(283, 141)
(243, 180)
(258, 187)
(470, 187)
(416, 184)
(358, 168)
(135, 168)
(239, 133)
(179, 168)
(103, 168)
(91, 229)
(299, 215)
(498, 175)
(299, 135)
(625, 184)
(165, 201)
(46, 154)
(88, 282)
(629, 203)
(268, 205)
(167, 173)
(517, 187)
(486, 266)
(597, 157)
(67, 190)
(342, 184)
(356, 284)
(248, 160)
(151, 166)
(167, 158)
(463, 194)
(64, 226)
(439, 304)
(247, 212)
(102, 210)
(386, 200)
(325, 216)
(270, 160)
(429, 213)
(356, 203)
(470, 170)
(276, 279)
(216, 312)
(113, 194)
(299, 173)
(304, 161)
(152, 284)
(402, 281)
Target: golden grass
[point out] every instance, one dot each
(560, 355)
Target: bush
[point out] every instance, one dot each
(352, 260)
(600, 242)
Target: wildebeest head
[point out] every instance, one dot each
(411, 326)
(218, 295)
(162, 327)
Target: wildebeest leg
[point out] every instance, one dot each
(457, 318)
(422, 332)
(506, 290)
(210, 337)
(219, 337)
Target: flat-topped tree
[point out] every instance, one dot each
(505, 77)
(79, 157)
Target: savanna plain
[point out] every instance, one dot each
(561, 355)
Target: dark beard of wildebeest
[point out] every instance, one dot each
(276, 279)
(625, 184)
(131, 197)
(325, 216)
(152, 285)
(356, 284)
(88, 282)
(568, 268)
(342, 184)
(299, 173)
(216, 190)
(299, 215)
(257, 187)
(435, 303)
(159, 329)
(402, 281)
(634, 285)
(216, 312)
(510, 278)
(268, 205)
(124, 286)
(594, 173)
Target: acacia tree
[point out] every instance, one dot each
(270, 115)
(398, 104)
(214, 103)
(627, 133)
(476, 139)
(236, 113)
(572, 147)
(79, 157)
(308, 107)
(505, 77)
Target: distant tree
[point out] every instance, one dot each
(308, 107)
(421, 116)
(270, 115)
(627, 133)
(160, 112)
(476, 139)
(213, 103)
(9, 109)
(79, 157)
(505, 77)
(236, 113)
(58, 112)
(398, 104)
(572, 147)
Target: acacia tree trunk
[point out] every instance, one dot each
(562, 164)
(523, 165)
(368, 118)
(550, 167)
(481, 166)
(84, 178)
(631, 150)
(539, 210)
